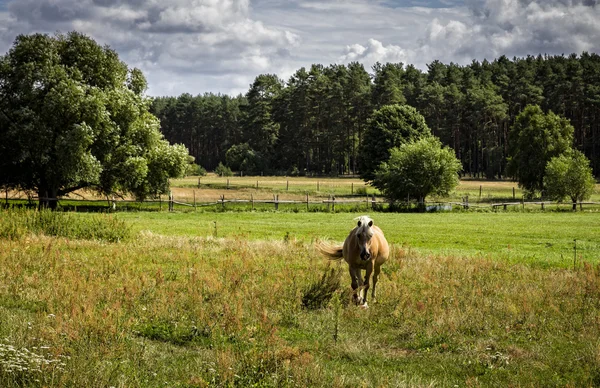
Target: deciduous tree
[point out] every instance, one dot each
(417, 169)
(389, 127)
(73, 116)
(534, 139)
(569, 176)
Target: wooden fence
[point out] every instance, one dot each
(369, 202)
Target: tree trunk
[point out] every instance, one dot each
(575, 205)
(48, 198)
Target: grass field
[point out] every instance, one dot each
(466, 299)
(546, 239)
(480, 194)
(211, 186)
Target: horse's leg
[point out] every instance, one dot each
(375, 277)
(365, 288)
(356, 283)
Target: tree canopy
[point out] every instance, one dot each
(535, 138)
(315, 121)
(417, 169)
(72, 116)
(389, 127)
(569, 175)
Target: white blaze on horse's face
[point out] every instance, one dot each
(364, 233)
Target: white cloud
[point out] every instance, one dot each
(374, 52)
(493, 28)
(196, 46)
(182, 38)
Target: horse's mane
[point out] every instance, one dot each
(364, 224)
(364, 220)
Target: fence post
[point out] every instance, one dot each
(372, 201)
(480, 189)
(227, 183)
(252, 200)
(467, 202)
(170, 201)
(198, 182)
(194, 199)
(514, 193)
(317, 185)
(223, 201)
(277, 202)
(333, 204)
(256, 185)
(523, 202)
(287, 186)
(542, 205)
(160, 202)
(352, 189)
(307, 201)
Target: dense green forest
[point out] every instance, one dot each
(314, 122)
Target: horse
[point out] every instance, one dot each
(365, 248)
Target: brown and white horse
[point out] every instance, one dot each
(365, 248)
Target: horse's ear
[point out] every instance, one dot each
(359, 223)
(370, 223)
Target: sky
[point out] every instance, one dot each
(220, 46)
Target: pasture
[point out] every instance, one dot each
(466, 299)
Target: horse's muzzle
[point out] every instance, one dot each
(365, 255)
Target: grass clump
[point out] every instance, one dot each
(15, 224)
(318, 294)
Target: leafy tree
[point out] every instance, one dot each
(417, 169)
(389, 127)
(535, 138)
(74, 116)
(569, 175)
(243, 158)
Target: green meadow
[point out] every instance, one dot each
(546, 239)
(240, 299)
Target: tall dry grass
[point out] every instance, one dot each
(193, 312)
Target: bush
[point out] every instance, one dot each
(223, 170)
(194, 169)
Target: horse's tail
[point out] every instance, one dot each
(333, 252)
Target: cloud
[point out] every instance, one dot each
(491, 28)
(374, 52)
(198, 46)
(522, 27)
(183, 38)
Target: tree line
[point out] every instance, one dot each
(314, 122)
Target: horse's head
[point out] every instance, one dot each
(364, 233)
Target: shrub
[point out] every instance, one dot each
(223, 170)
(194, 169)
